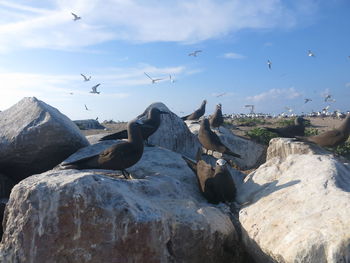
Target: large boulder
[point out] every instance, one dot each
(34, 137)
(96, 216)
(89, 124)
(252, 154)
(296, 206)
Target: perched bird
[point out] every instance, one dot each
(197, 113)
(75, 17)
(119, 156)
(217, 119)
(153, 80)
(310, 53)
(331, 138)
(150, 126)
(307, 100)
(86, 78)
(298, 129)
(94, 89)
(194, 53)
(269, 63)
(216, 185)
(210, 141)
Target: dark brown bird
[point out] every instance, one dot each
(149, 126)
(196, 114)
(216, 185)
(217, 119)
(210, 141)
(331, 138)
(117, 157)
(298, 129)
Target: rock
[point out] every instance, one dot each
(34, 137)
(95, 138)
(88, 216)
(297, 206)
(252, 154)
(172, 133)
(89, 124)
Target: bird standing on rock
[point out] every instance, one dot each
(210, 141)
(197, 113)
(149, 126)
(119, 156)
(298, 129)
(331, 138)
(217, 119)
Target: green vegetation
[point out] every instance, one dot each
(343, 150)
(250, 121)
(288, 122)
(311, 131)
(261, 135)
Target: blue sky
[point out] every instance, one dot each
(43, 52)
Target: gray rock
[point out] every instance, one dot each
(89, 124)
(34, 137)
(94, 216)
(297, 206)
(252, 154)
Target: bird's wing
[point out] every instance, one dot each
(147, 75)
(157, 79)
(75, 16)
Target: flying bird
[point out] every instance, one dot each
(86, 108)
(288, 109)
(171, 79)
(310, 54)
(219, 95)
(327, 97)
(194, 53)
(153, 80)
(307, 100)
(75, 17)
(86, 78)
(94, 89)
(269, 63)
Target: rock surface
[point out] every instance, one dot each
(94, 216)
(252, 154)
(88, 124)
(297, 206)
(34, 137)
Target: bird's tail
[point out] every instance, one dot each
(184, 117)
(229, 152)
(115, 136)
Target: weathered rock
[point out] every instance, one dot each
(172, 133)
(297, 206)
(87, 216)
(89, 124)
(34, 137)
(252, 154)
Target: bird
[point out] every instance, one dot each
(194, 53)
(151, 125)
(197, 113)
(86, 78)
(331, 138)
(94, 89)
(219, 95)
(153, 80)
(327, 97)
(269, 63)
(288, 109)
(75, 17)
(86, 108)
(297, 129)
(217, 119)
(119, 156)
(310, 53)
(71, 93)
(215, 184)
(307, 100)
(171, 79)
(210, 141)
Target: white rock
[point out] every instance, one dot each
(297, 207)
(87, 216)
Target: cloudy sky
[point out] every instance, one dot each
(43, 52)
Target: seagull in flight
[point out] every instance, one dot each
(307, 100)
(86, 108)
(288, 109)
(86, 78)
(94, 89)
(171, 79)
(153, 80)
(220, 95)
(310, 53)
(327, 97)
(194, 53)
(269, 63)
(75, 17)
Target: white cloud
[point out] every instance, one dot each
(51, 26)
(274, 94)
(232, 55)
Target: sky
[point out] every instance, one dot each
(43, 51)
